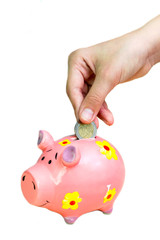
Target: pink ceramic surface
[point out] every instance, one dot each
(73, 177)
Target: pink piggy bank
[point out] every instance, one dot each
(73, 177)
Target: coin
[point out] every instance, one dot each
(85, 130)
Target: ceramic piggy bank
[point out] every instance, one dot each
(73, 177)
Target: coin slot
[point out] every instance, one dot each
(76, 139)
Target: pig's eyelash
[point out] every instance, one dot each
(49, 150)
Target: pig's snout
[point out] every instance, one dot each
(29, 187)
(37, 186)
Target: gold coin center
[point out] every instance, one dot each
(86, 130)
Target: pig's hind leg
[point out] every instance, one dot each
(107, 209)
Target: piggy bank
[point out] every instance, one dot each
(73, 177)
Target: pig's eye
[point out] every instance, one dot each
(49, 162)
(43, 158)
(56, 155)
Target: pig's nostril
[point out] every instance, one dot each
(34, 186)
(23, 178)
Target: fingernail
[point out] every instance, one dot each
(87, 114)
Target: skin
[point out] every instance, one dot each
(94, 71)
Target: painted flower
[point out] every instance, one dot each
(107, 150)
(64, 142)
(71, 201)
(109, 195)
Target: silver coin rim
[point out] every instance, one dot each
(79, 136)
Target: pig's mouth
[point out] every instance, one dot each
(44, 203)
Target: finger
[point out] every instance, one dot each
(106, 115)
(78, 71)
(96, 121)
(93, 101)
(74, 88)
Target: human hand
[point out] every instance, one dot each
(94, 71)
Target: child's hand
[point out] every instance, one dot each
(94, 71)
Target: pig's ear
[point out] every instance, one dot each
(70, 156)
(44, 140)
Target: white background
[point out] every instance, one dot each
(36, 38)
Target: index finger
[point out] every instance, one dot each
(74, 88)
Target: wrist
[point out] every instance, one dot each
(151, 33)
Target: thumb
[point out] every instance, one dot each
(95, 98)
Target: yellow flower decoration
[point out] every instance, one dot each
(109, 195)
(71, 201)
(107, 150)
(64, 142)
